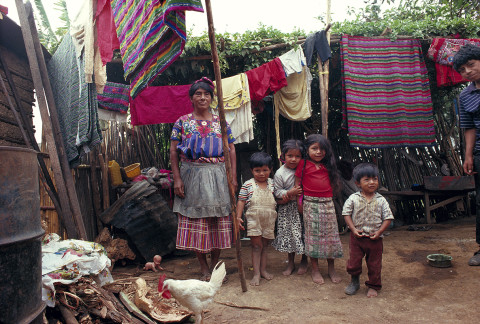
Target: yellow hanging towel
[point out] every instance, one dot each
(293, 101)
(235, 92)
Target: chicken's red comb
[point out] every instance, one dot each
(160, 282)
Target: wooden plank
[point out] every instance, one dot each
(449, 182)
(65, 167)
(47, 128)
(446, 202)
(428, 215)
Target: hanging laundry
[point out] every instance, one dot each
(106, 32)
(76, 101)
(268, 77)
(317, 41)
(293, 61)
(238, 107)
(241, 122)
(157, 105)
(115, 97)
(83, 36)
(387, 92)
(442, 51)
(235, 92)
(447, 76)
(294, 100)
(152, 35)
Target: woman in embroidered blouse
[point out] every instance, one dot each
(202, 200)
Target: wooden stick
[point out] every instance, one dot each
(230, 304)
(223, 124)
(67, 315)
(47, 126)
(67, 174)
(65, 167)
(95, 189)
(323, 77)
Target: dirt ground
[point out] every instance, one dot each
(413, 291)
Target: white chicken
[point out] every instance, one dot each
(193, 294)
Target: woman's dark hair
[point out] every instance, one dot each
(365, 170)
(203, 83)
(293, 144)
(466, 53)
(260, 159)
(328, 161)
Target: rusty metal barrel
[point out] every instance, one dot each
(20, 237)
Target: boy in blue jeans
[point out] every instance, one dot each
(367, 215)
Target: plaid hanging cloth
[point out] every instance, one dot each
(152, 35)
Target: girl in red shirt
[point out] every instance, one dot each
(318, 175)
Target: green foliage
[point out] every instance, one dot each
(45, 32)
(49, 38)
(234, 49)
(413, 18)
(61, 7)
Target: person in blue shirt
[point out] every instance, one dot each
(467, 63)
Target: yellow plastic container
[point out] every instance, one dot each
(132, 170)
(115, 174)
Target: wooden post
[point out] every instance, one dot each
(223, 124)
(74, 226)
(323, 76)
(67, 172)
(30, 137)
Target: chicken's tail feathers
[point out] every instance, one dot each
(218, 274)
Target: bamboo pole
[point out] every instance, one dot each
(323, 76)
(223, 124)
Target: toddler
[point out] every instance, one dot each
(256, 196)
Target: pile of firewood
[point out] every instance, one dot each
(86, 302)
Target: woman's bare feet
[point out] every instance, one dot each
(290, 268)
(255, 280)
(334, 276)
(266, 275)
(317, 277)
(371, 293)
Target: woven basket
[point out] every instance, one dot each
(132, 170)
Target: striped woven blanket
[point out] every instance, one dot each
(114, 97)
(151, 34)
(387, 93)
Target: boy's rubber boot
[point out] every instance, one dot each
(353, 286)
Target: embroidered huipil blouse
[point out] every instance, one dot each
(200, 140)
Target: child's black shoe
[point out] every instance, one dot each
(353, 286)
